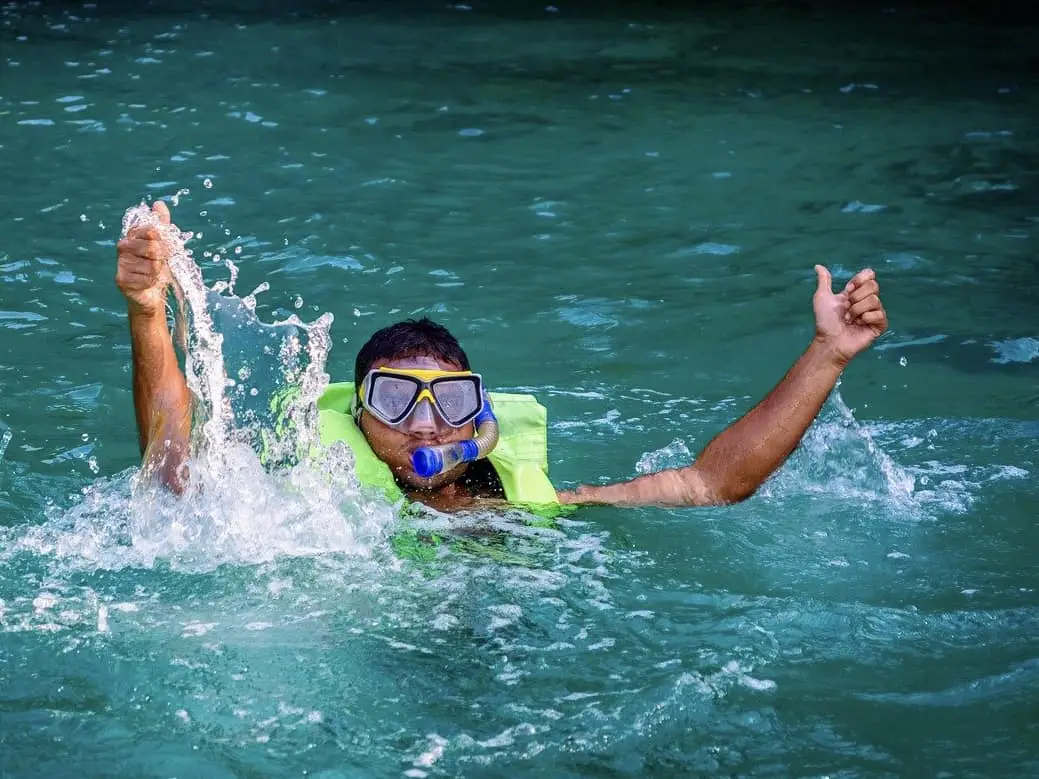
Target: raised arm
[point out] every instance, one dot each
(161, 398)
(739, 459)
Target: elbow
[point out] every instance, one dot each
(165, 463)
(736, 496)
(727, 489)
(737, 491)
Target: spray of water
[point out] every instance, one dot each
(260, 485)
(207, 317)
(839, 456)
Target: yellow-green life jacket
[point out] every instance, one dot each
(520, 458)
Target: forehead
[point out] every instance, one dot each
(424, 362)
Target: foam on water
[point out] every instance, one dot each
(895, 467)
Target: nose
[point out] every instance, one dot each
(422, 420)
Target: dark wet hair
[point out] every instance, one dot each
(411, 338)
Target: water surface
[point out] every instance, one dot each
(617, 209)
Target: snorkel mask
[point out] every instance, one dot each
(392, 395)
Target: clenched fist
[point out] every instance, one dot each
(143, 274)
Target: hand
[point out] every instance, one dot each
(851, 320)
(142, 274)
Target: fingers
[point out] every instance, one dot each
(134, 280)
(867, 304)
(863, 295)
(875, 317)
(141, 247)
(132, 267)
(161, 211)
(864, 275)
(141, 260)
(142, 257)
(863, 291)
(147, 233)
(824, 279)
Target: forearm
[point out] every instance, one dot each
(162, 401)
(672, 487)
(739, 459)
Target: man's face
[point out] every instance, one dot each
(424, 427)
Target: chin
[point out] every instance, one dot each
(413, 480)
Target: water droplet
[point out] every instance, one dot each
(298, 302)
(207, 183)
(93, 466)
(903, 362)
(83, 217)
(238, 250)
(254, 392)
(176, 197)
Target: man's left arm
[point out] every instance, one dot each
(739, 459)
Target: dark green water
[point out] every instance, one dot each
(618, 210)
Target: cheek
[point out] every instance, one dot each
(385, 441)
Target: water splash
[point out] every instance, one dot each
(674, 455)
(5, 438)
(839, 456)
(205, 318)
(261, 486)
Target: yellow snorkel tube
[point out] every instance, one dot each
(428, 461)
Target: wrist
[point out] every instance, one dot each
(144, 312)
(147, 323)
(826, 350)
(582, 493)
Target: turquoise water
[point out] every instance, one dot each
(619, 211)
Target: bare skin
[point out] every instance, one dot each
(730, 468)
(424, 427)
(739, 459)
(161, 398)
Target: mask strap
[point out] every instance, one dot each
(356, 408)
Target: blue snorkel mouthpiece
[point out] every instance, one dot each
(428, 461)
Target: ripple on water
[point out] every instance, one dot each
(271, 620)
(1015, 350)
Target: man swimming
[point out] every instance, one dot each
(415, 399)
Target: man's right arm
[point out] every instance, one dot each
(162, 400)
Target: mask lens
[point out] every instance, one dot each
(458, 398)
(391, 396)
